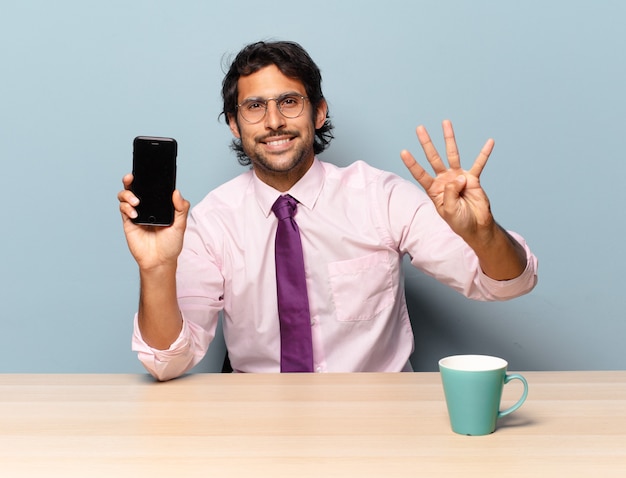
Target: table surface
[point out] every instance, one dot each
(300, 425)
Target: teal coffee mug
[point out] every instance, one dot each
(473, 385)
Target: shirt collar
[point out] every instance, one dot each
(305, 191)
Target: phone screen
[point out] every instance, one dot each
(154, 171)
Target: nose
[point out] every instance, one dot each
(273, 117)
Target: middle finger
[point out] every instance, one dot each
(452, 151)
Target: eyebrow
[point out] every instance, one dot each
(261, 98)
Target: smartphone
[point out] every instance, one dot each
(154, 171)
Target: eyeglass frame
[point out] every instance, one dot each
(266, 101)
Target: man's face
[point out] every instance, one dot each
(280, 148)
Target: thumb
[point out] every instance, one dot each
(180, 204)
(181, 207)
(451, 194)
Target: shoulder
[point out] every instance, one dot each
(218, 214)
(357, 174)
(228, 195)
(361, 175)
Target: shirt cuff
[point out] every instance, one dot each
(164, 364)
(512, 288)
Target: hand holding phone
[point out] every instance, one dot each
(154, 172)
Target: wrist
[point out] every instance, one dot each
(158, 275)
(485, 237)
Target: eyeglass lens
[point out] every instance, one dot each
(290, 106)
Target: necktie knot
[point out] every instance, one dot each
(285, 207)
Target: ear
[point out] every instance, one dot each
(320, 115)
(234, 127)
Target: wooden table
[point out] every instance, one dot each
(319, 425)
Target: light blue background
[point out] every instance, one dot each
(546, 79)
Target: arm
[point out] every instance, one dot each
(462, 203)
(156, 251)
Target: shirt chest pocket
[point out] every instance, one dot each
(361, 288)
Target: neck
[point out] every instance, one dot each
(282, 180)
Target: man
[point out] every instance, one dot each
(355, 223)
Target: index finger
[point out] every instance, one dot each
(127, 180)
(126, 195)
(416, 170)
(429, 150)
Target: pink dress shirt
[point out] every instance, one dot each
(356, 225)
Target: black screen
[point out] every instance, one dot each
(154, 170)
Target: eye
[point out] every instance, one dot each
(253, 105)
(290, 102)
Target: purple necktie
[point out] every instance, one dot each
(296, 348)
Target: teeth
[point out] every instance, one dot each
(277, 143)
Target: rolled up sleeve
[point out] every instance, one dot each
(185, 352)
(492, 289)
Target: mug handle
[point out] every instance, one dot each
(507, 379)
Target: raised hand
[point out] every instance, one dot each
(461, 201)
(152, 246)
(456, 193)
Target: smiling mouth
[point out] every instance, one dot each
(277, 142)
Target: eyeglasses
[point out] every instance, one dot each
(290, 105)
